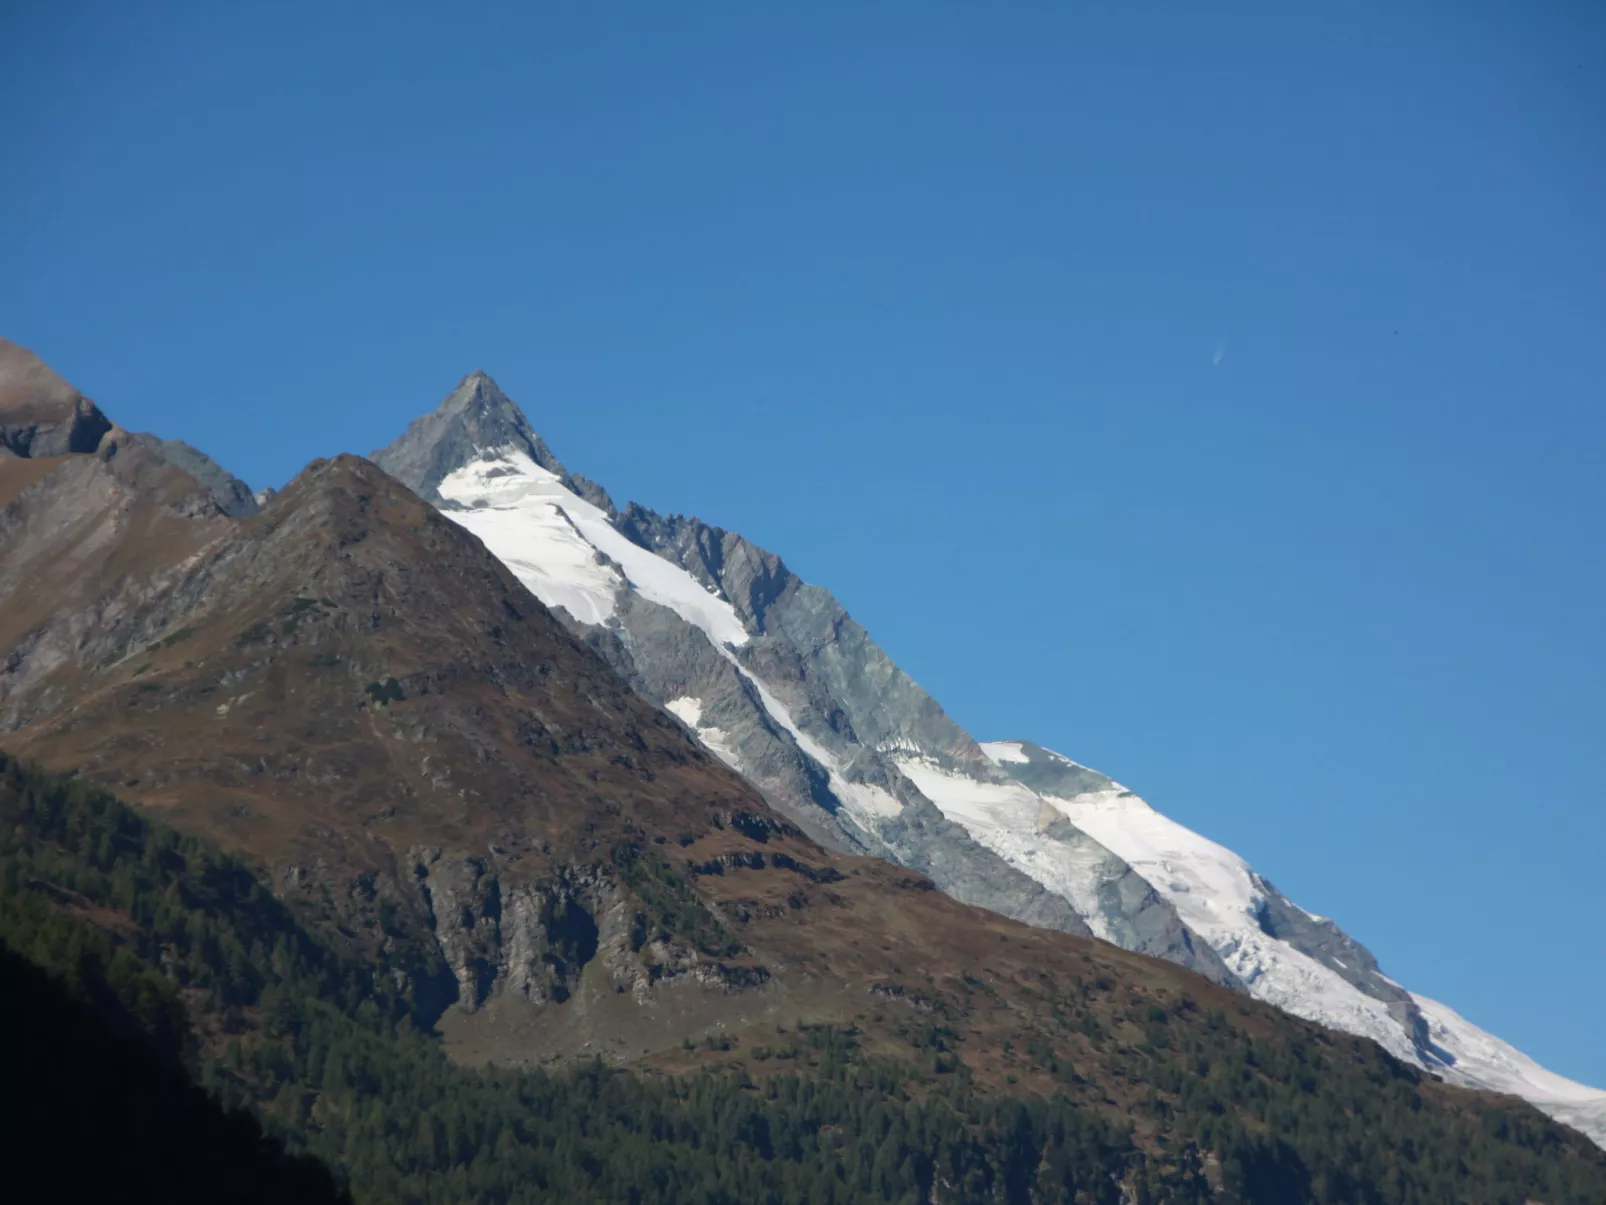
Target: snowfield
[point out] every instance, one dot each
(1008, 819)
(1465, 1054)
(550, 537)
(1219, 898)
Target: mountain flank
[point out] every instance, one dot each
(345, 724)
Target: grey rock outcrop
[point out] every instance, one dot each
(1047, 773)
(41, 415)
(533, 940)
(233, 496)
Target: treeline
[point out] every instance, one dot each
(130, 919)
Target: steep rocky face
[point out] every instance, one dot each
(95, 522)
(43, 419)
(82, 545)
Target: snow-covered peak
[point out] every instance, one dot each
(474, 419)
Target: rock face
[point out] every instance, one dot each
(780, 683)
(41, 415)
(233, 496)
(475, 416)
(42, 418)
(533, 943)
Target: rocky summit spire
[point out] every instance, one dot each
(475, 418)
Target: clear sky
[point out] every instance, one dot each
(1210, 391)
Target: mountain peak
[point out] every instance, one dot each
(479, 391)
(474, 418)
(40, 413)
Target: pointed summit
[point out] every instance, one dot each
(475, 418)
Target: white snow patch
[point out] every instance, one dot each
(549, 537)
(719, 744)
(1008, 819)
(531, 533)
(687, 710)
(1005, 751)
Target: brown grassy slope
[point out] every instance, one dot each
(349, 690)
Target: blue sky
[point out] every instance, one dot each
(1212, 392)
